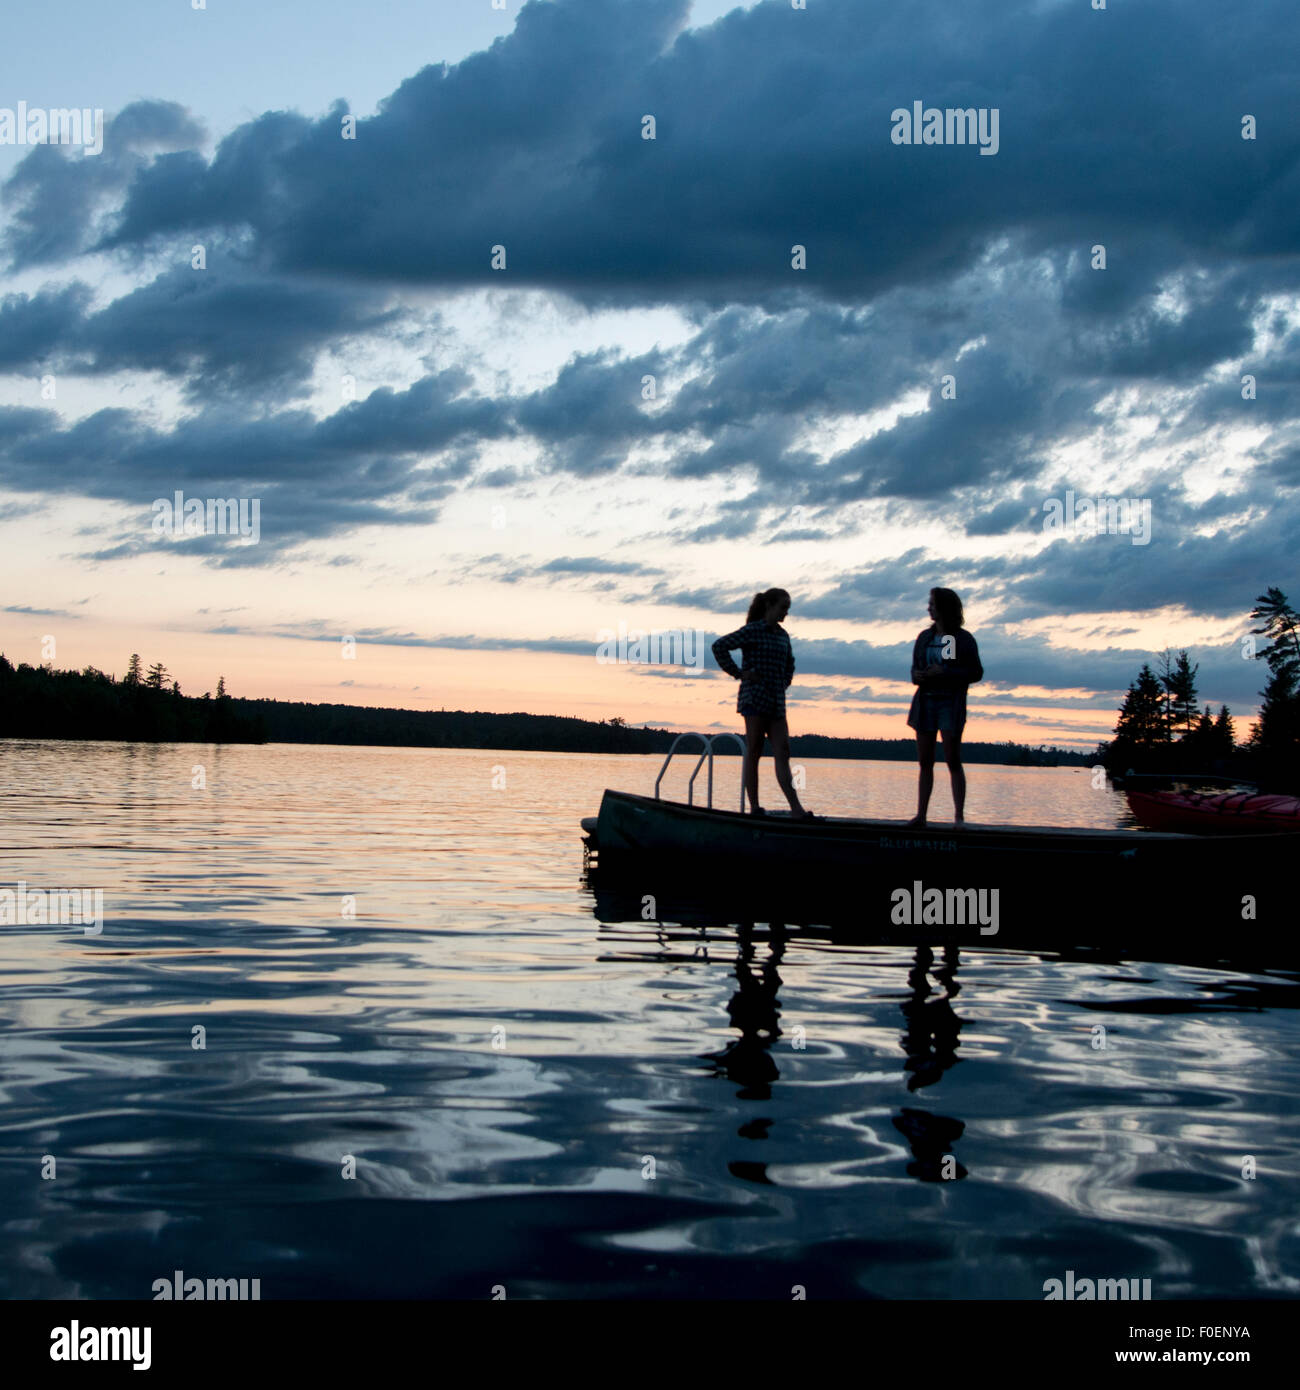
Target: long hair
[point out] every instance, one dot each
(760, 603)
(949, 610)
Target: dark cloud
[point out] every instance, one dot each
(219, 334)
(33, 328)
(1018, 513)
(315, 478)
(54, 198)
(877, 593)
(594, 564)
(772, 128)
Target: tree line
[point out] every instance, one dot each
(1162, 726)
(148, 706)
(144, 706)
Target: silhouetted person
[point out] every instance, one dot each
(768, 669)
(945, 660)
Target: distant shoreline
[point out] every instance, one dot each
(41, 703)
(908, 754)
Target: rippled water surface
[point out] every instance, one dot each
(536, 1099)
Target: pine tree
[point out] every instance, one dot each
(1165, 674)
(1180, 683)
(1277, 732)
(1281, 626)
(158, 676)
(1225, 734)
(1278, 727)
(221, 687)
(1201, 738)
(133, 670)
(1142, 722)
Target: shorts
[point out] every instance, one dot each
(765, 700)
(936, 712)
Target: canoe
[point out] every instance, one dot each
(1222, 813)
(890, 875)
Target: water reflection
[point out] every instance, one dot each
(755, 1010)
(930, 1039)
(799, 1088)
(929, 1042)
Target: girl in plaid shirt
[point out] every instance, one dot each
(768, 670)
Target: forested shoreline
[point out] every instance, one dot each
(1164, 729)
(39, 702)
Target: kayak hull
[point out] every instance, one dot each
(1224, 813)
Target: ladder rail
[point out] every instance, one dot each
(690, 786)
(740, 743)
(673, 749)
(706, 752)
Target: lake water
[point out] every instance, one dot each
(537, 1101)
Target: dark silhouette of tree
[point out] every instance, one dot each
(1166, 700)
(1225, 734)
(1164, 674)
(1281, 627)
(158, 676)
(1276, 736)
(1277, 730)
(1142, 721)
(1180, 684)
(221, 687)
(133, 676)
(40, 702)
(1202, 736)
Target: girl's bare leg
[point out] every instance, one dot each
(925, 783)
(755, 732)
(956, 771)
(780, 735)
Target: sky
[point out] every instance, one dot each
(523, 326)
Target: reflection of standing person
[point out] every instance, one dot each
(768, 669)
(931, 1043)
(931, 1040)
(755, 1010)
(945, 660)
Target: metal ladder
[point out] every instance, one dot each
(708, 740)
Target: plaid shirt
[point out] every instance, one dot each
(766, 652)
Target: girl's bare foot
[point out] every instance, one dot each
(916, 823)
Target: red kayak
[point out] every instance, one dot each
(1218, 813)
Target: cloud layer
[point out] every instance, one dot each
(951, 356)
